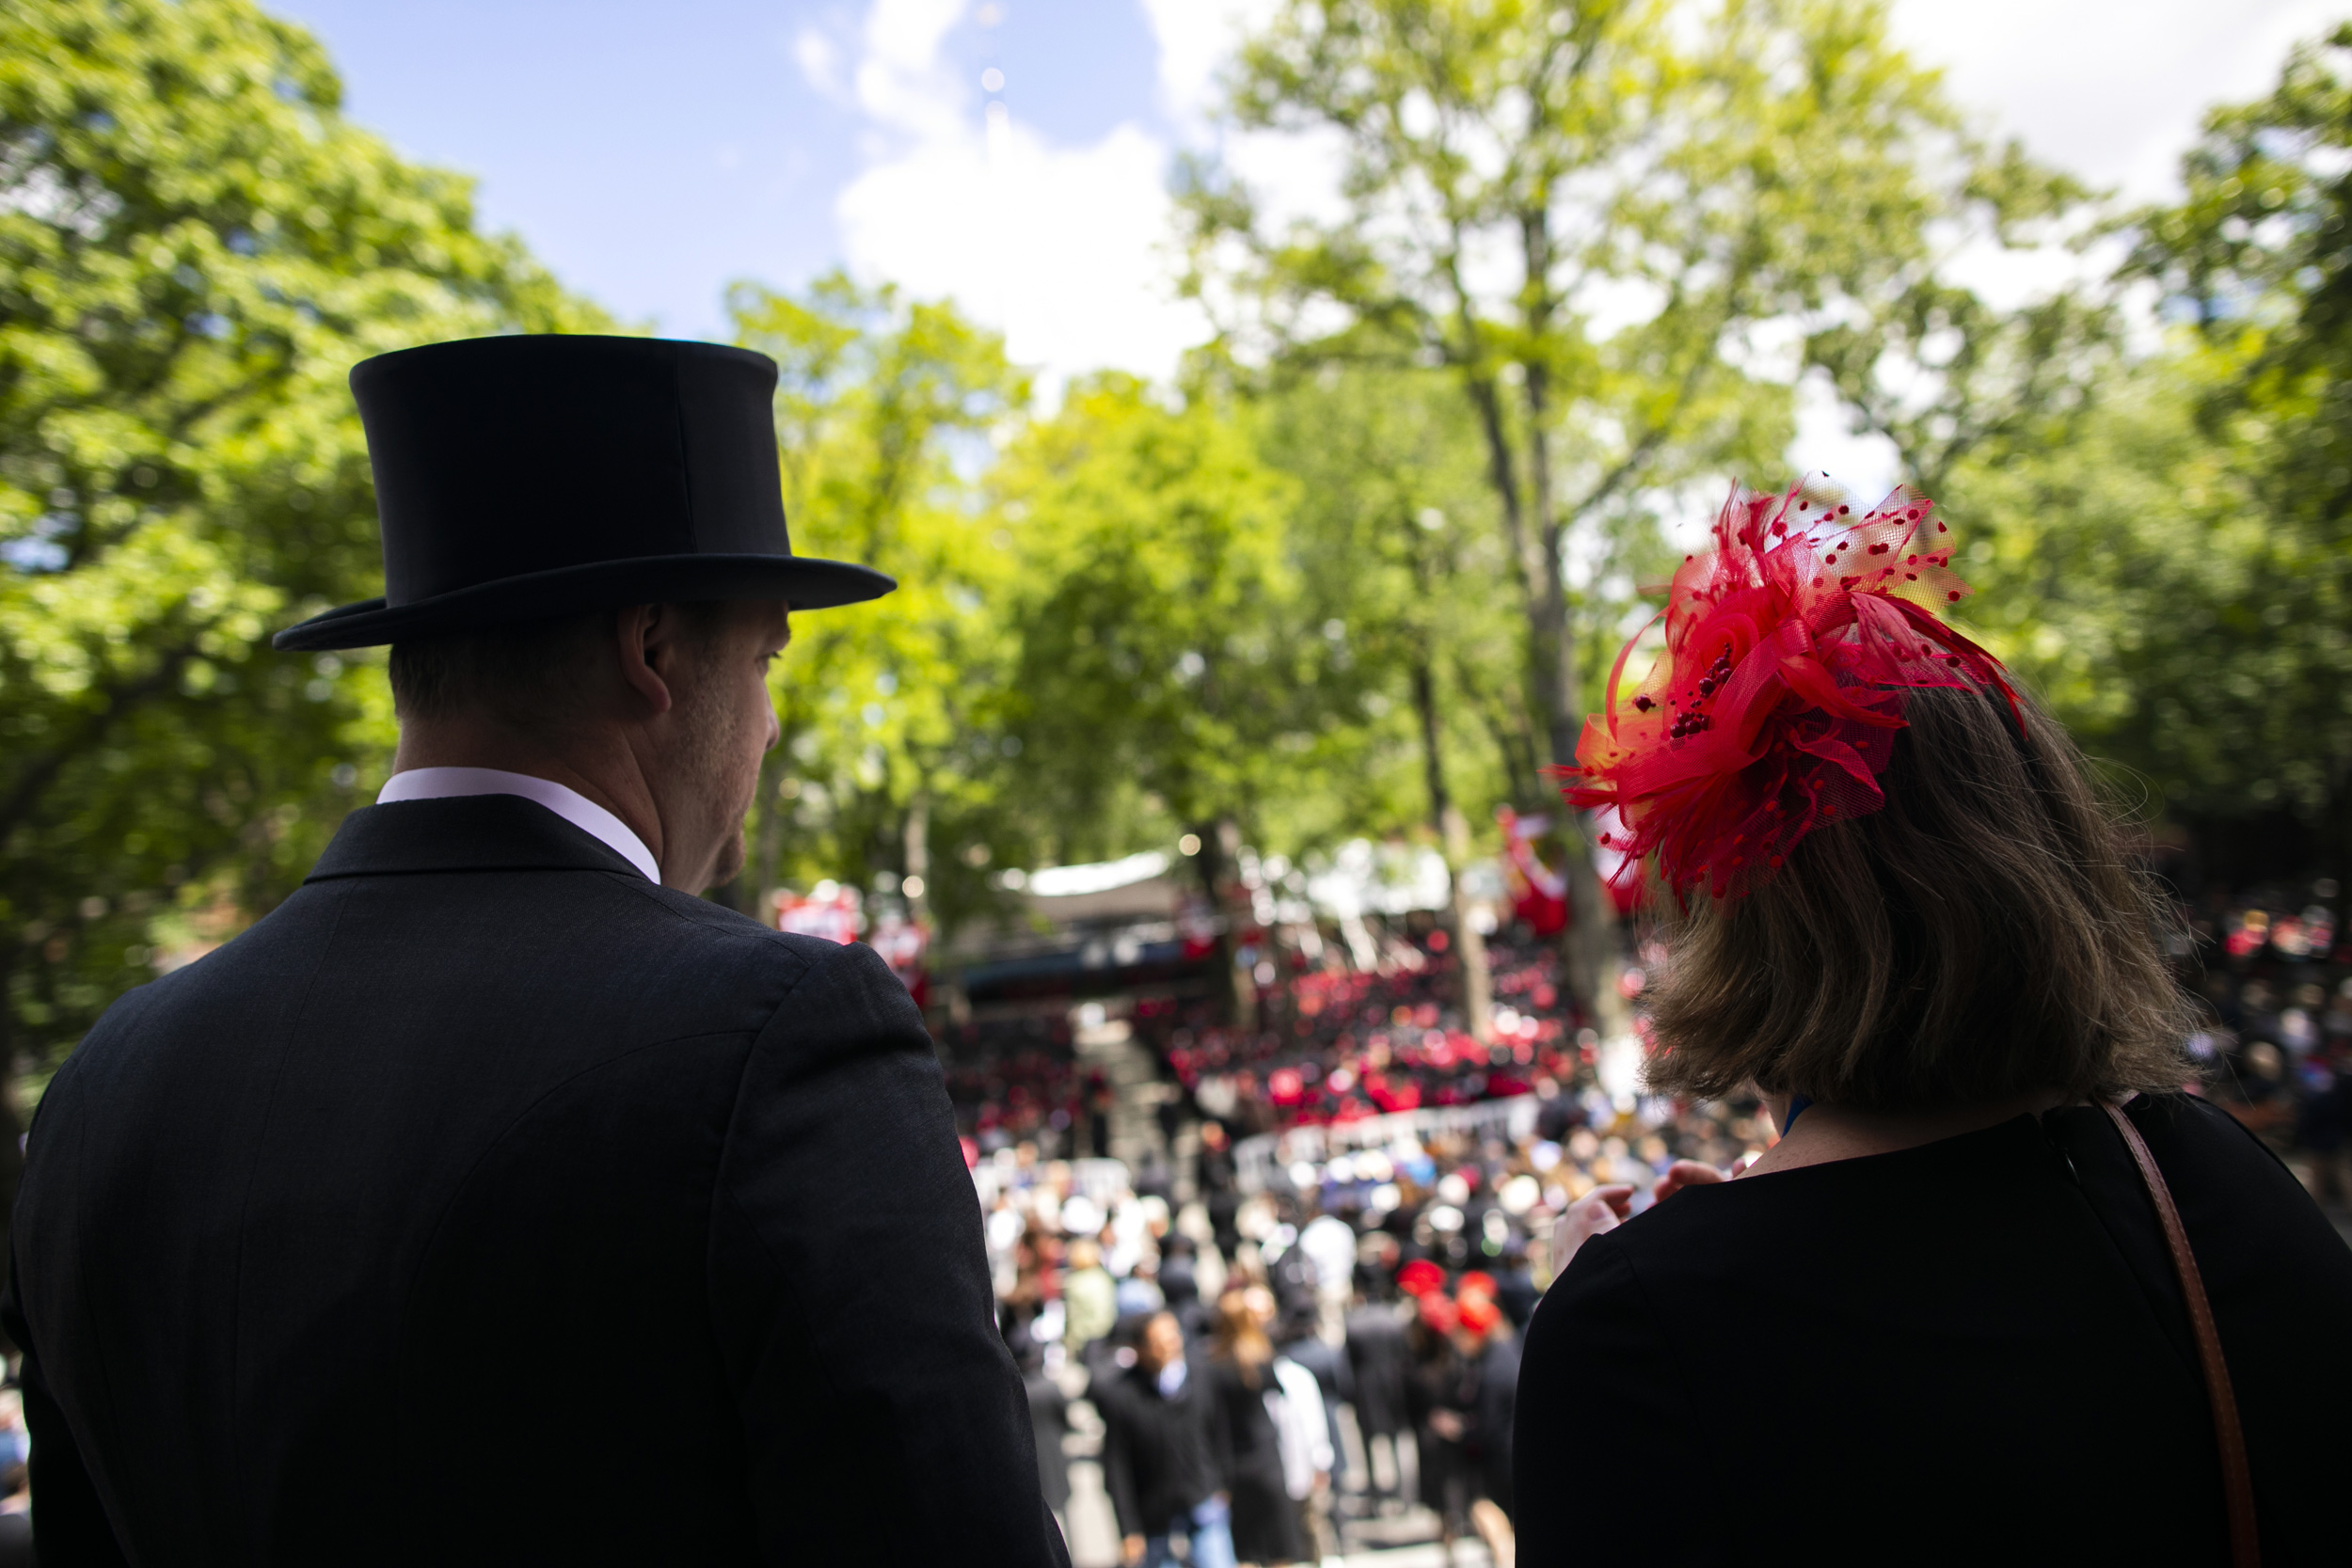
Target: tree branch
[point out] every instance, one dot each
(35, 778)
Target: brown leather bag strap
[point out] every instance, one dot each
(2237, 1485)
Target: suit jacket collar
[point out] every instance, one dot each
(466, 832)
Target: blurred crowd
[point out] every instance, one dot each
(2274, 974)
(1322, 1357)
(1331, 1044)
(1301, 1330)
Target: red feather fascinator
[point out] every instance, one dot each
(1791, 646)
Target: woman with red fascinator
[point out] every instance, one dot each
(2002, 1292)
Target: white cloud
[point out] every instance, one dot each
(1059, 246)
(2111, 90)
(819, 60)
(1196, 37)
(1063, 248)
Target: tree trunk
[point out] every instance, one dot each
(1588, 948)
(1469, 942)
(917, 885)
(1218, 860)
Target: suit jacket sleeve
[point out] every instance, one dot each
(1604, 1445)
(883, 1420)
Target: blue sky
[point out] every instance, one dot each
(651, 154)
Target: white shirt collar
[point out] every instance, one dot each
(436, 783)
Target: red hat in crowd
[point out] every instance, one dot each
(1477, 1281)
(1479, 1314)
(1419, 1278)
(1437, 1314)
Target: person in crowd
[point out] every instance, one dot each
(320, 1237)
(16, 1515)
(1140, 1292)
(1379, 1361)
(1899, 911)
(16, 1443)
(1440, 1397)
(1306, 1423)
(1298, 1338)
(1328, 1242)
(1180, 1286)
(1240, 1376)
(1290, 1273)
(1516, 1290)
(1489, 1392)
(1221, 1186)
(1049, 1424)
(1159, 1455)
(1090, 1298)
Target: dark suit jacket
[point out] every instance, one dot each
(1159, 1455)
(486, 1203)
(1971, 1352)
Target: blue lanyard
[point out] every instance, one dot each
(1798, 1105)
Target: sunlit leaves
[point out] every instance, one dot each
(195, 248)
(888, 411)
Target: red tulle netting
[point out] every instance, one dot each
(1790, 645)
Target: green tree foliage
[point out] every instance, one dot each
(1168, 675)
(2260, 255)
(886, 411)
(1594, 215)
(2125, 576)
(1396, 515)
(194, 249)
(1394, 525)
(2181, 569)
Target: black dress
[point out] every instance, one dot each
(1970, 1352)
(1266, 1521)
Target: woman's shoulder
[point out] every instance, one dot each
(2248, 1216)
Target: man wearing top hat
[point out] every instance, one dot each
(495, 1199)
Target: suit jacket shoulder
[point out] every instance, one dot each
(480, 1143)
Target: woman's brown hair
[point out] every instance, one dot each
(1240, 1339)
(1984, 935)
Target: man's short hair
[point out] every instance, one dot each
(529, 674)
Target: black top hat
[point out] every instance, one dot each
(519, 477)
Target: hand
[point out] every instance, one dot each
(1446, 1424)
(1598, 1210)
(1689, 1173)
(1131, 1550)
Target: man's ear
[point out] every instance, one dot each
(645, 639)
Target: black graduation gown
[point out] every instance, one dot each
(1971, 1352)
(359, 1240)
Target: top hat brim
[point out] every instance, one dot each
(801, 582)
